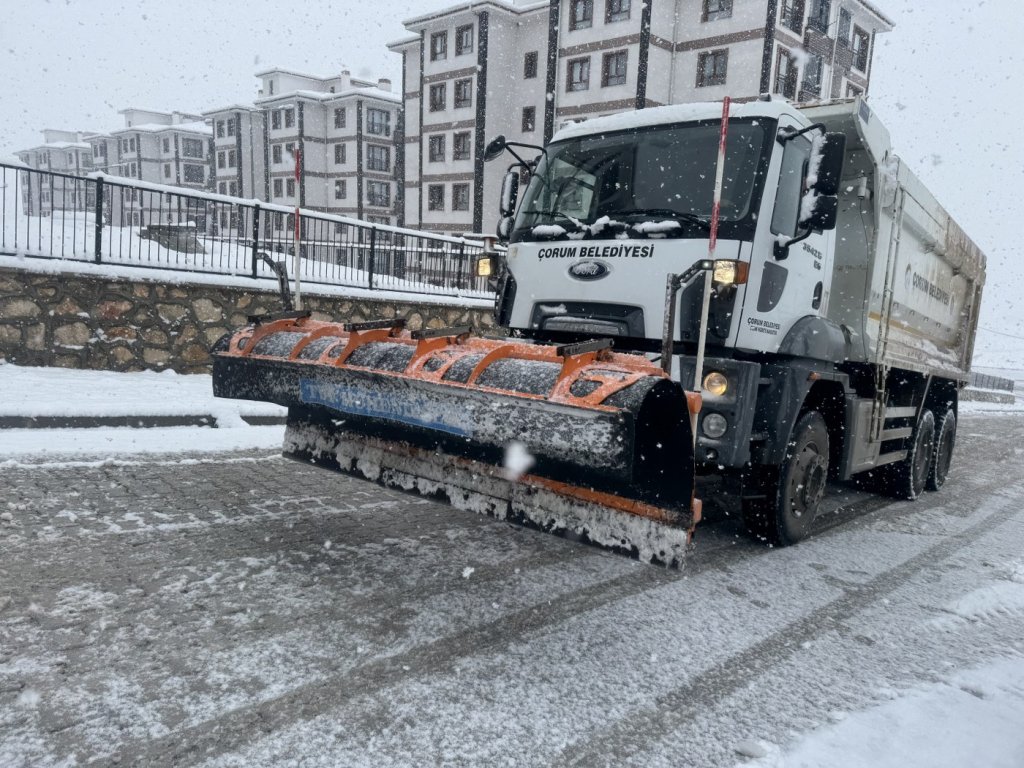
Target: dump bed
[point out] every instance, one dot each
(907, 282)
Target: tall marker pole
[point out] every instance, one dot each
(698, 371)
(298, 259)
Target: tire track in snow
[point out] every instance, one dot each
(673, 710)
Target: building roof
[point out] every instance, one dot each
(198, 127)
(229, 108)
(527, 6)
(373, 92)
(59, 145)
(886, 21)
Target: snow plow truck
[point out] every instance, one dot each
(801, 311)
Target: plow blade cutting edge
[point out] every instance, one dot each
(609, 434)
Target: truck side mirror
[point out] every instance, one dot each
(509, 193)
(823, 217)
(832, 151)
(494, 148)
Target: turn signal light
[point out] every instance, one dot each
(731, 272)
(716, 384)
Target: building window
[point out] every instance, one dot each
(852, 91)
(861, 43)
(339, 154)
(231, 158)
(845, 23)
(616, 10)
(222, 187)
(460, 197)
(613, 69)
(437, 149)
(378, 158)
(220, 160)
(192, 148)
(579, 75)
(818, 17)
(438, 46)
(791, 15)
(716, 9)
(812, 74)
(581, 14)
(232, 188)
(378, 122)
(278, 188)
(230, 126)
(712, 68)
(167, 170)
(220, 129)
(289, 188)
(529, 119)
(192, 174)
(289, 148)
(460, 146)
(289, 118)
(464, 39)
(340, 189)
(785, 75)
(133, 170)
(378, 193)
(463, 93)
(167, 145)
(270, 85)
(438, 97)
(131, 145)
(339, 117)
(275, 154)
(530, 65)
(275, 119)
(435, 197)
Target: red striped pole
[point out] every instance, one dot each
(298, 230)
(698, 371)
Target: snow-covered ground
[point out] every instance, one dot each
(59, 392)
(234, 609)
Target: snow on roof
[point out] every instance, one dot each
(158, 127)
(372, 92)
(475, 5)
(674, 113)
(410, 40)
(60, 145)
(229, 108)
(870, 7)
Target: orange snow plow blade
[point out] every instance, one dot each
(606, 436)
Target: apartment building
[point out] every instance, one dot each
(341, 127)
(524, 69)
(64, 152)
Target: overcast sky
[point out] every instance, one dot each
(948, 82)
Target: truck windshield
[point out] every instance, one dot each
(651, 182)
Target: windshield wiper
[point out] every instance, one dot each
(690, 218)
(558, 214)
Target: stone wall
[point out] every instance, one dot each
(77, 321)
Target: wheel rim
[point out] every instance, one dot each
(922, 455)
(944, 455)
(807, 482)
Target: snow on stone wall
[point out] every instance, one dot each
(78, 321)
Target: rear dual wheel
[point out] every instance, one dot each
(780, 503)
(942, 454)
(906, 479)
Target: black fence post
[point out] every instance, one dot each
(98, 244)
(463, 279)
(373, 256)
(255, 238)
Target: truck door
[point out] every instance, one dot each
(793, 287)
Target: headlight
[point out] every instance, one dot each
(730, 272)
(483, 266)
(714, 425)
(716, 384)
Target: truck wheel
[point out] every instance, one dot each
(906, 479)
(942, 455)
(788, 496)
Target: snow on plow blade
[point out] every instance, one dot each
(434, 411)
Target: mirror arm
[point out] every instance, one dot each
(782, 138)
(781, 250)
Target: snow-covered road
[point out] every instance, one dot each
(240, 610)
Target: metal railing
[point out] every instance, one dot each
(113, 220)
(985, 381)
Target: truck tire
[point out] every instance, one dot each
(942, 455)
(785, 499)
(906, 479)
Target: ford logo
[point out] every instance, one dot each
(588, 270)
